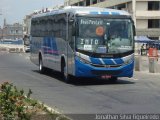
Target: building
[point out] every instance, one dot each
(26, 28)
(14, 31)
(26, 24)
(145, 13)
(1, 33)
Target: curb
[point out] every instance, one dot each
(147, 73)
(53, 111)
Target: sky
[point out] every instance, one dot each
(15, 10)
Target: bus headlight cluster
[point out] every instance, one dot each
(128, 61)
(83, 60)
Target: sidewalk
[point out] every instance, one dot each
(11, 48)
(144, 64)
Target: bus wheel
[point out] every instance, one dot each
(65, 75)
(113, 79)
(41, 68)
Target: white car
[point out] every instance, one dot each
(27, 48)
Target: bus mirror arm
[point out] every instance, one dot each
(134, 30)
(73, 31)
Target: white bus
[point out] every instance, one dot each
(84, 42)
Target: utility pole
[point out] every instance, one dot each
(1, 12)
(14, 30)
(134, 11)
(2, 33)
(1, 28)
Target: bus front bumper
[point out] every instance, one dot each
(87, 70)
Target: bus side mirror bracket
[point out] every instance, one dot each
(73, 29)
(134, 30)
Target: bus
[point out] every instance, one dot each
(85, 42)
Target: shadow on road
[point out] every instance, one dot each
(53, 74)
(85, 81)
(89, 82)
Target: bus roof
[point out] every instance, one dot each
(84, 11)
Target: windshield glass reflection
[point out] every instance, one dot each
(104, 35)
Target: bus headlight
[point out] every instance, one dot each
(83, 60)
(128, 61)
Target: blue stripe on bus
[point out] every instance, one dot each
(50, 46)
(94, 13)
(85, 70)
(95, 60)
(106, 61)
(105, 13)
(115, 13)
(119, 61)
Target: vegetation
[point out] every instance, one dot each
(14, 105)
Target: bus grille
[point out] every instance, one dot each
(106, 66)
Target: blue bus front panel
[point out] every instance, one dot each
(91, 70)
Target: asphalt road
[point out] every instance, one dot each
(140, 94)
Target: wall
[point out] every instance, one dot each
(142, 24)
(142, 6)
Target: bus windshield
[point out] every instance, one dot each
(100, 35)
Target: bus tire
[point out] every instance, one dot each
(66, 77)
(113, 79)
(41, 67)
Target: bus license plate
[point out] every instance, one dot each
(106, 76)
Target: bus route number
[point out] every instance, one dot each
(89, 41)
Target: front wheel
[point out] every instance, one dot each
(65, 75)
(41, 67)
